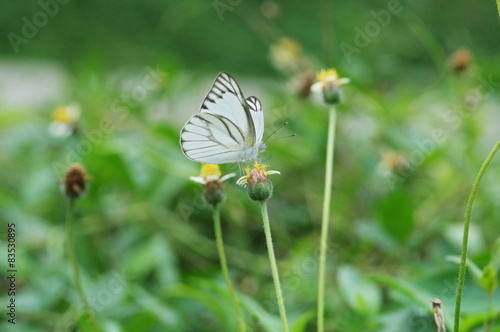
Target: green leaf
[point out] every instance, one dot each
(477, 320)
(301, 322)
(489, 280)
(415, 294)
(395, 213)
(360, 293)
(156, 255)
(473, 268)
(142, 321)
(151, 302)
(258, 316)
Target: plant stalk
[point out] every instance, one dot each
(325, 217)
(223, 265)
(463, 259)
(70, 216)
(274, 266)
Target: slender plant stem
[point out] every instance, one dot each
(325, 218)
(223, 265)
(463, 259)
(70, 216)
(488, 309)
(328, 32)
(274, 266)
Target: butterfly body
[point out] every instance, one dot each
(228, 128)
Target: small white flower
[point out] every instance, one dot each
(328, 78)
(258, 173)
(210, 173)
(64, 120)
(328, 86)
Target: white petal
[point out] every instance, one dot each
(60, 129)
(198, 179)
(227, 176)
(318, 86)
(344, 80)
(73, 112)
(212, 177)
(242, 181)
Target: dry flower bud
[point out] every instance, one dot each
(75, 181)
(460, 60)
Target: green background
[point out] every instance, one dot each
(144, 236)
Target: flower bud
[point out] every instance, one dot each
(211, 179)
(75, 182)
(332, 94)
(213, 192)
(460, 60)
(329, 83)
(259, 187)
(489, 280)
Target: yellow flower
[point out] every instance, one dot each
(210, 173)
(64, 120)
(329, 83)
(211, 180)
(256, 180)
(259, 172)
(286, 54)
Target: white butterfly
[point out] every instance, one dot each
(227, 129)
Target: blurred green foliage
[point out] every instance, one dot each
(144, 237)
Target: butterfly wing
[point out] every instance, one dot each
(257, 115)
(224, 130)
(225, 98)
(212, 139)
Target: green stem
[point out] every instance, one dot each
(274, 266)
(461, 272)
(223, 265)
(488, 309)
(74, 266)
(325, 218)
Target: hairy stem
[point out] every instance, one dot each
(274, 266)
(70, 216)
(325, 218)
(223, 265)
(463, 259)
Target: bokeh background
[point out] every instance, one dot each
(110, 84)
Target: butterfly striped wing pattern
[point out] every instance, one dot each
(257, 115)
(224, 131)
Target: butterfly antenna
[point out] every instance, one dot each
(274, 139)
(275, 130)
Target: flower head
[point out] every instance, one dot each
(329, 83)
(460, 60)
(286, 54)
(393, 161)
(74, 182)
(211, 180)
(64, 120)
(270, 10)
(256, 180)
(210, 173)
(301, 82)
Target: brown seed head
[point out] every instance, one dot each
(301, 83)
(460, 60)
(75, 181)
